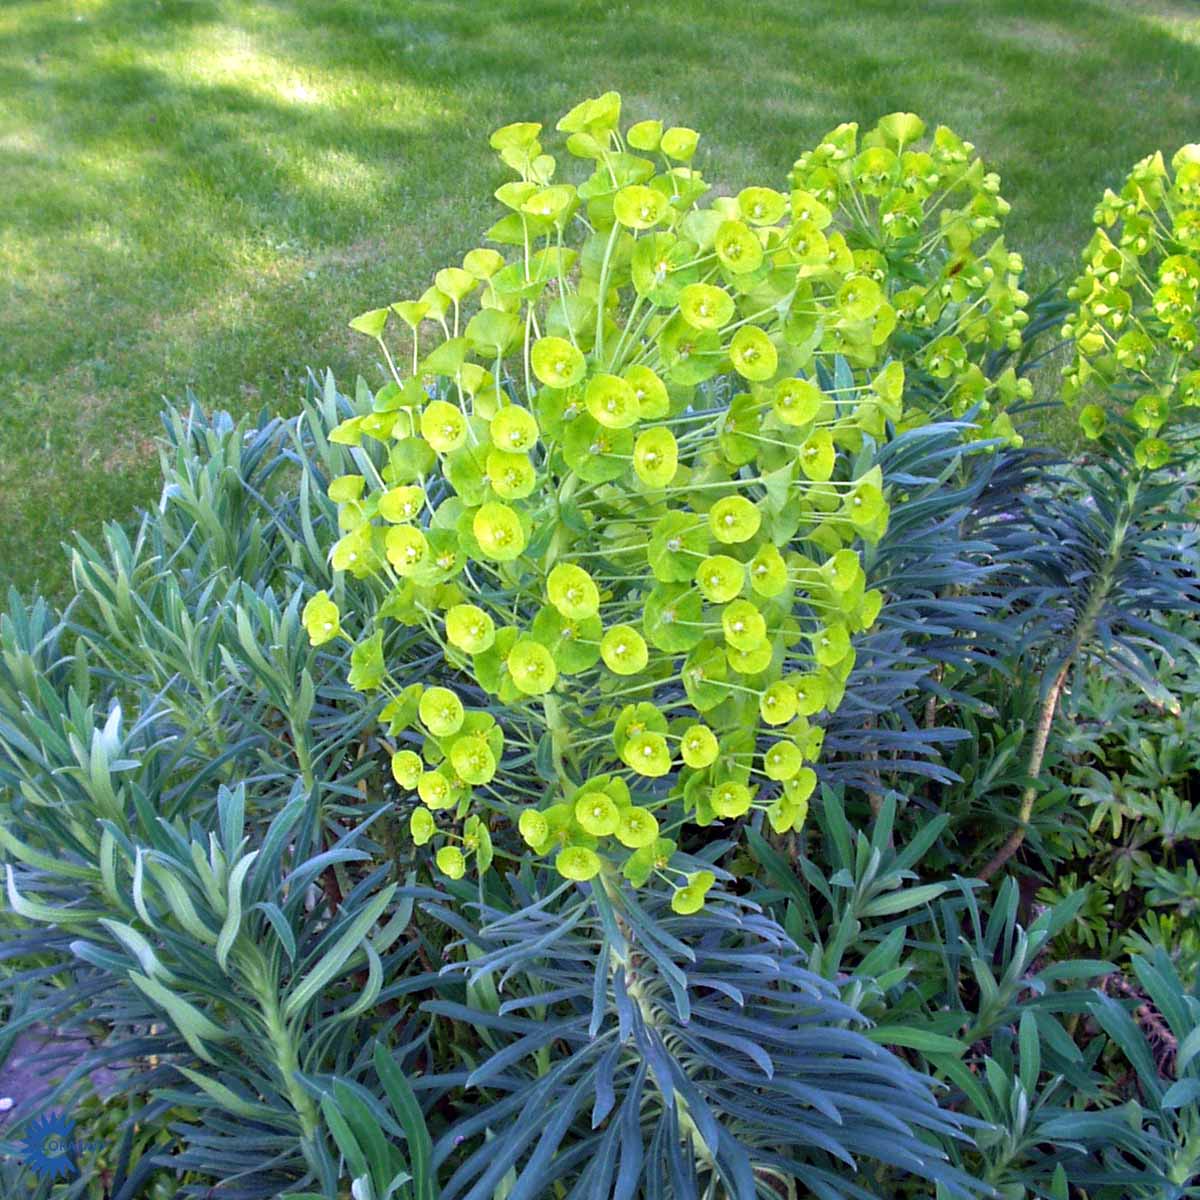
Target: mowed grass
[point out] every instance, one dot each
(200, 193)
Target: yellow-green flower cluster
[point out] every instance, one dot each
(619, 484)
(599, 809)
(461, 751)
(1136, 323)
(920, 217)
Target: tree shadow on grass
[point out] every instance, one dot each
(182, 177)
(773, 75)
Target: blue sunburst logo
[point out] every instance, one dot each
(49, 1145)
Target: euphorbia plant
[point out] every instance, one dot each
(1116, 570)
(623, 480)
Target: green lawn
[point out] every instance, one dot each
(200, 193)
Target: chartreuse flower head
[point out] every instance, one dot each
(470, 628)
(738, 248)
(679, 143)
(690, 898)
(811, 693)
(499, 532)
(706, 306)
(656, 456)
(731, 799)
(514, 429)
(421, 826)
(761, 206)
(782, 761)
(321, 619)
(624, 650)
(407, 768)
(639, 207)
(441, 711)
(818, 456)
(649, 391)
(743, 625)
(443, 426)
(532, 667)
(1152, 453)
(637, 828)
(843, 570)
(778, 704)
(699, 746)
(512, 476)
(753, 354)
(557, 363)
(533, 827)
(573, 591)
(720, 578)
(356, 552)
(733, 520)
(407, 549)
(751, 660)
(472, 759)
(611, 401)
(865, 503)
(623, 485)
(451, 862)
(597, 813)
(401, 504)
(647, 754)
(798, 401)
(768, 572)
(436, 790)
(578, 863)
(831, 644)
(787, 813)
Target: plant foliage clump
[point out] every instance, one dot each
(483, 868)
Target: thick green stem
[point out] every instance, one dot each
(601, 303)
(1102, 588)
(636, 990)
(569, 487)
(1037, 754)
(560, 737)
(284, 1053)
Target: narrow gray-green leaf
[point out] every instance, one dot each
(140, 948)
(233, 915)
(333, 961)
(900, 901)
(195, 1027)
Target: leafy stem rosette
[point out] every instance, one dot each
(622, 477)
